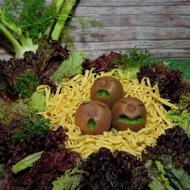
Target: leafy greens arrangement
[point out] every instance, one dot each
(164, 166)
(34, 157)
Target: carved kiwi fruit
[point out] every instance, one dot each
(129, 113)
(107, 90)
(93, 118)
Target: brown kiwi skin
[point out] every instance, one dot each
(97, 111)
(110, 84)
(132, 108)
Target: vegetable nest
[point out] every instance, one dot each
(62, 105)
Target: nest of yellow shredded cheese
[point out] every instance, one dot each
(61, 108)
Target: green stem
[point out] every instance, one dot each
(9, 24)
(26, 42)
(62, 18)
(17, 46)
(58, 5)
(20, 49)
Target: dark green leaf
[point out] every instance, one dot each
(18, 135)
(69, 181)
(35, 125)
(26, 84)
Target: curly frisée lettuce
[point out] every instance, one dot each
(26, 84)
(31, 126)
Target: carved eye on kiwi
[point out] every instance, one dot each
(107, 90)
(93, 118)
(129, 113)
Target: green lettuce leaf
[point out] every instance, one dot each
(157, 173)
(26, 162)
(26, 84)
(37, 102)
(177, 116)
(186, 126)
(166, 176)
(178, 177)
(69, 67)
(69, 181)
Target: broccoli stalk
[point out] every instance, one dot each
(24, 32)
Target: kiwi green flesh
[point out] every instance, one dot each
(126, 120)
(91, 124)
(102, 94)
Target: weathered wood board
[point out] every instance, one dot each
(116, 3)
(161, 26)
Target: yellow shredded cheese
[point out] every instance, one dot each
(61, 108)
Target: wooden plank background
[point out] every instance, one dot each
(161, 26)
